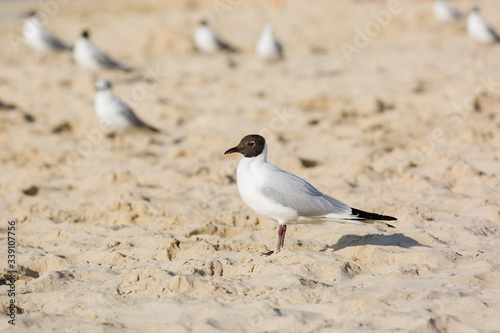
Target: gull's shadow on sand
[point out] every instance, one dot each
(375, 239)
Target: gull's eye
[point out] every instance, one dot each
(251, 143)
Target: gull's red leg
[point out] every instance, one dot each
(281, 237)
(281, 240)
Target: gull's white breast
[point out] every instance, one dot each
(84, 54)
(444, 12)
(478, 28)
(33, 35)
(109, 111)
(267, 48)
(205, 39)
(252, 175)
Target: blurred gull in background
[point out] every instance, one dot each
(444, 12)
(268, 48)
(39, 38)
(479, 30)
(90, 57)
(113, 113)
(207, 41)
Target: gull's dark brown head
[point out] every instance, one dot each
(250, 146)
(85, 34)
(30, 13)
(103, 84)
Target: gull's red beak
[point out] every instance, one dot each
(232, 150)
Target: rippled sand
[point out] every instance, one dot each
(151, 233)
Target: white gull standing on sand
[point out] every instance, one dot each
(90, 57)
(444, 12)
(206, 40)
(285, 198)
(113, 113)
(39, 38)
(268, 48)
(479, 30)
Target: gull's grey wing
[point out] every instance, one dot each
(292, 191)
(280, 49)
(127, 112)
(54, 42)
(456, 14)
(494, 33)
(106, 61)
(225, 46)
(124, 110)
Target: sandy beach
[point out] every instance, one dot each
(376, 103)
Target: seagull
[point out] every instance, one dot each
(479, 30)
(444, 12)
(113, 113)
(90, 57)
(39, 38)
(285, 198)
(268, 48)
(207, 41)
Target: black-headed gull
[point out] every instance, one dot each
(283, 197)
(90, 57)
(206, 40)
(479, 30)
(444, 12)
(113, 113)
(268, 48)
(39, 38)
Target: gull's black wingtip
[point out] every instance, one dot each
(372, 216)
(152, 129)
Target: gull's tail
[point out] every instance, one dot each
(226, 47)
(150, 128)
(371, 218)
(122, 67)
(495, 34)
(65, 47)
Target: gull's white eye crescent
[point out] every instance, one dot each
(251, 143)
